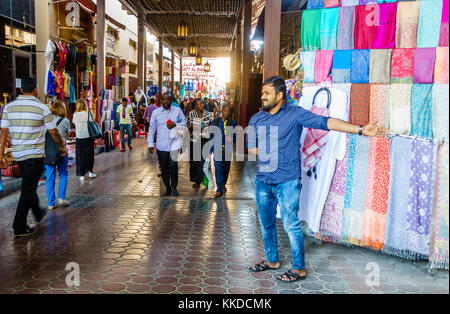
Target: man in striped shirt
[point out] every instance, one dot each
(26, 119)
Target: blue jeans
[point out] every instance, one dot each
(123, 128)
(50, 174)
(286, 195)
(222, 172)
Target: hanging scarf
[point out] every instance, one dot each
(315, 4)
(421, 113)
(365, 32)
(360, 66)
(374, 220)
(349, 3)
(310, 29)
(441, 72)
(308, 61)
(328, 28)
(124, 111)
(424, 65)
(407, 23)
(429, 26)
(360, 104)
(443, 37)
(342, 63)
(441, 111)
(402, 68)
(346, 28)
(378, 100)
(385, 29)
(440, 222)
(323, 63)
(380, 66)
(400, 106)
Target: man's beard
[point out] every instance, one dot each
(268, 106)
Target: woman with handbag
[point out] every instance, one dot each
(84, 143)
(53, 161)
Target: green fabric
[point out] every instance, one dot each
(311, 29)
(205, 181)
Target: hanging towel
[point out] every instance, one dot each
(420, 200)
(400, 108)
(310, 29)
(378, 101)
(440, 222)
(358, 165)
(421, 110)
(429, 23)
(441, 111)
(342, 63)
(308, 61)
(360, 66)
(407, 23)
(441, 72)
(443, 37)
(380, 66)
(328, 28)
(360, 104)
(315, 4)
(385, 30)
(374, 220)
(402, 68)
(424, 65)
(349, 3)
(365, 26)
(323, 63)
(346, 28)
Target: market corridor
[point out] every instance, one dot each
(126, 238)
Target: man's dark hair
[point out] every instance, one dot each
(124, 99)
(278, 83)
(152, 101)
(171, 96)
(28, 85)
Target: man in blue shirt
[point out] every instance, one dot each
(274, 136)
(163, 120)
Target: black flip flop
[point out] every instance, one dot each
(260, 267)
(292, 277)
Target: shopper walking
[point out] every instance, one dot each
(163, 120)
(198, 123)
(222, 157)
(59, 114)
(148, 111)
(26, 120)
(279, 182)
(84, 144)
(125, 113)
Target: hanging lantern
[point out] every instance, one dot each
(198, 60)
(207, 67)
(192, 49)
(182, 30)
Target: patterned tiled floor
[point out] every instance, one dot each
(126, 238)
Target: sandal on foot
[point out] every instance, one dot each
(291, 276)
(260, 267)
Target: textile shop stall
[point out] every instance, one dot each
(389, 194)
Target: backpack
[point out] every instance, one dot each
(52, 153)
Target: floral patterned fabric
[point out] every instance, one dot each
(402, 68)
(380, 66)
(400, 106)
(360, 66)
(421, 110)
(378, 100)
(407, 24)
(360, 104)
(346, 27)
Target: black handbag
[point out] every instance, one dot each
(93, 129)
(52, 152)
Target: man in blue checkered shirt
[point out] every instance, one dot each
(274, 136)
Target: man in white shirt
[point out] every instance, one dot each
(125, 113)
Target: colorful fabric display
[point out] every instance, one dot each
(407, 24)
(424, 65)
(441, 111)
(332, 3)
(402, 69)
(365, 33)
(380, 66)
(323, 63)
(429, 28)
(366, 2)
(378, 100)
(441, 72)
(443, 37)
(421, 110)
(346, 28)
(328, 28)
(349, 3)
(355, 189)
(360, 66)
(342, 63)
(400, 108)
(360, 104)
(374, 219)
(308, 61)
(310, 29)
(439, 235)
(385, 30)
(315, 4)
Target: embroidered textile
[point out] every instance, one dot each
(402, 68)
(315, 4)
(346, 28)
(360, 66)
(407, 24)
(380, 66)
(378, 104)
(342, 63)
(421, 110)
(360, 104)
(328, 28)
(400, 106)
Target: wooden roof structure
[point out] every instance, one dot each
(211, 24)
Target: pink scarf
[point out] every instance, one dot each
(323, 63)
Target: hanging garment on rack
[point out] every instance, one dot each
(365, 33)
(441, 71)
(402, 68)
(441, 111)
(315, 4)
(315, 188)
(360, 66)
(355, 189)
(51, 81)
(380, 66)
(328, 28)
(310, 30)
(429, 25)
(56, 56)
(421, 110)
(308, 61)
(360, 104)
(366, 2)
(407, 24)
(443, 37)
(342, 63)
(72, 96)
(385, 28)
(374, 219)
(439, 252)
(424, 65)
(49, 55)
(349, 3)
(400, 106)
(346, 28)
(322, 67)
(379, 98)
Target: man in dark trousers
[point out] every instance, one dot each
(26, 120)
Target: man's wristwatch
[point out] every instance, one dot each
(360, 130)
